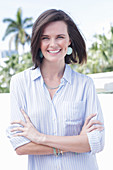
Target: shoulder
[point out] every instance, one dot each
(22, 81)
(84, 84)
(82, 78)
(22, 78)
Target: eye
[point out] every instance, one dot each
(60, 37)
(44, 38)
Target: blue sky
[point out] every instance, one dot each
(91, 16)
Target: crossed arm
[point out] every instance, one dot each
(42, 144)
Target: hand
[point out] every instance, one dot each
(28, 130)
(91, 125)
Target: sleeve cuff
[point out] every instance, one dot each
(96, 141)
(16, 141)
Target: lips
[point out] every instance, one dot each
(54, 51)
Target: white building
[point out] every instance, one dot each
(103, 82)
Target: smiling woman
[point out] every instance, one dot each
(55, 111)
(55, 41)
(64, 29)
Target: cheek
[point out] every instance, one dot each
(44, 44)
(41, 46)
(64, 44)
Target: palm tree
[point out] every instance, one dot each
(18, 27)
(100, 55)
(102, 50)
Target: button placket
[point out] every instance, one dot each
(54, 120)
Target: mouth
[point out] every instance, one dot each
(54, 51)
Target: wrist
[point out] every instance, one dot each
(40, 138)
(57, 152)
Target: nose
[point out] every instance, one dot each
(52, 43)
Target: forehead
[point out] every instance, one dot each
(58, 27)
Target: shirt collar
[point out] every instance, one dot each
(36, 73)
(67, 73)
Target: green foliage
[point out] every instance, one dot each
(13, 65)
(18, 29)
(100, 55)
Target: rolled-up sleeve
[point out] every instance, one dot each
(96, 138)
(17, 101)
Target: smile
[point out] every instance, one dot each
(53, 52)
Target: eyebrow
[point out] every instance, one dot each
(61, 34)
(57, 35)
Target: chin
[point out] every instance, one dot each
(55, 59)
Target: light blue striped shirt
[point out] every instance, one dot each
(75, 99)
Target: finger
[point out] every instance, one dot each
(93, 122)
(17, 129)
(25, 116)
(19, 122)
(89, 118)
(18, 134)
(101, 128)
(95, 127)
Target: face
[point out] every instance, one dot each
(55, 41)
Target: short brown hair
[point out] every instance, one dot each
(77, 42)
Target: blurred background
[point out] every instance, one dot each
(95, 21)
(93, 18)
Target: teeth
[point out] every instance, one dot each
(54, 51)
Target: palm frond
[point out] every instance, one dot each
(14, 26)
(28, 26)
(27, 20)
(8, 20)
(19, 16)
(8, 31)
(18, 27)
(28, 39)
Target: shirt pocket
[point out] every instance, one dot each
(73, 113)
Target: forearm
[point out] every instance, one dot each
(77, 144)
(34, 149)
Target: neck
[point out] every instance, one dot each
(52, 70)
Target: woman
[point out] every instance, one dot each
(55, 113)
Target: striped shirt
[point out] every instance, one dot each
(64, 115)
